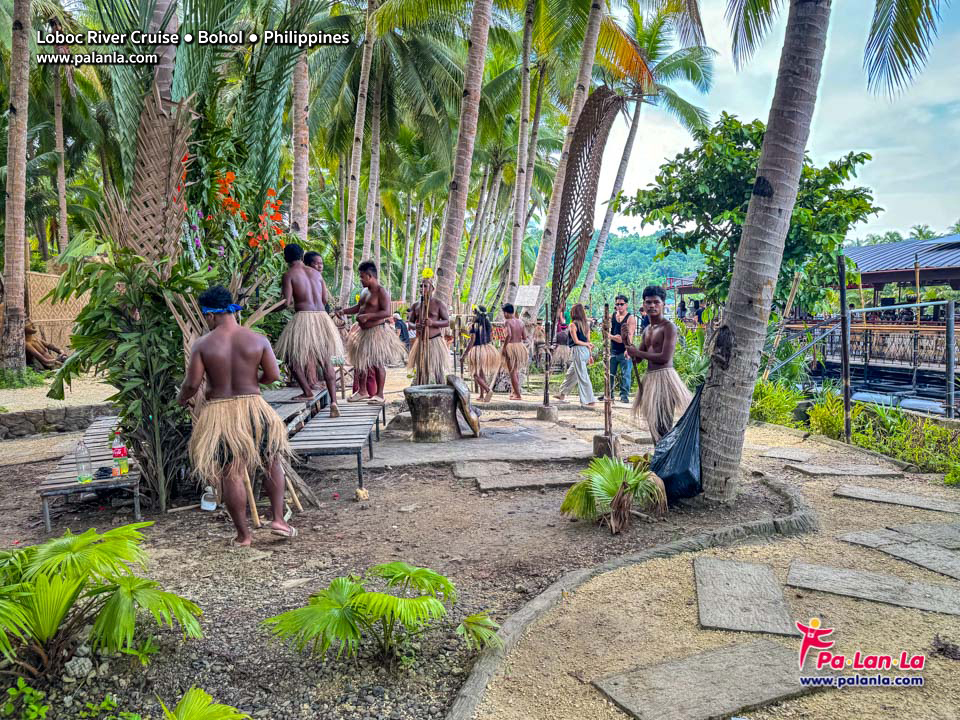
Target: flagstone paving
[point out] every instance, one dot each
(912, 549)
(741, 596)
(647, 615)
(863, 471)
(892, 497)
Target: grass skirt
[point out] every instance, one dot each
(437, 362)
(662, 396)
(242, 430)
(378, 346)
(515, 357)
(561, 354)
(485, 359)
(309, 339)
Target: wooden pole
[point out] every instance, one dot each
(783, 323)
(950, 358)
(607, 399)
(548, 338)
(844, 345)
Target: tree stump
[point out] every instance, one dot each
(433, 409)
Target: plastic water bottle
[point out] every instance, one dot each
(84, 468)
(121, 465)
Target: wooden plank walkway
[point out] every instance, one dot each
(345, 435)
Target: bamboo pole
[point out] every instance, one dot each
(607, 394)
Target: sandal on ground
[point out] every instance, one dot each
(334, 411)
(291, 533)
(376, 400)
(358, 397)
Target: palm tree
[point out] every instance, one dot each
(300, 114)
(356, 155)
(467, 130)
(897, 46)
(923, 232)
(12, 352)
(693, 64)
(954, 229)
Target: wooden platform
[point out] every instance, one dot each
(345, 435)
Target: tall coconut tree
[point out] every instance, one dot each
(655, 35)
(467, 130)
(900, 37)
(300, 120)
(12, 352)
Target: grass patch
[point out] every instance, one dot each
(16, 379)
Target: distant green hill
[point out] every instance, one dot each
(629, 263)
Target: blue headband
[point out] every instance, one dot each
(231, 308)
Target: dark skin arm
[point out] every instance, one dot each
(286, 291)
(193, 378)
(473, 339)
(352, 310)
(270, 371)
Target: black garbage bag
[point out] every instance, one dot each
(676, 458)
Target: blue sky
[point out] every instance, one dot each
(913, 138)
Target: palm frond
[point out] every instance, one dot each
(424, 580)
(197, 704)
(750, 21)
(100, 554)
(901, 35)
(479, 631)
(687, 114)
(331, 617)
(410, 612)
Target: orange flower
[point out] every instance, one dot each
(185, 157)
(250, 234)
(231, 177)
(263, 217)
(276, 217)
(279, 203)
(255, 242)
(276, 229)
(282, 244)
(243, 215)
(271, 193)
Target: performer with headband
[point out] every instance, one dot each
(430, 354)
(310, 338)
(236, 432)
(377, 344)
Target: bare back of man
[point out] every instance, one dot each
(514, 351)
(232, 357)
(305, 288)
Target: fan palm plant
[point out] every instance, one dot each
(50, 592)
(609, 489)
(197, 704)
(345, 612)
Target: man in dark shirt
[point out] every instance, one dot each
(402, 329)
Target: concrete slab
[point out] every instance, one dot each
(946, 535)
(713, 684)
(876, 587)
(910, 548)
(741, 596)
(565, 476)
(788, 453)
(473, 470)
(848, 470)
(860, 492)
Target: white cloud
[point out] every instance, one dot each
(912, 137)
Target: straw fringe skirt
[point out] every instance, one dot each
(242, 430)
(437, 364)
(309, 339)
(661, 397)
(561, 354)
(483, 359)
(378, 346)
(515, 357)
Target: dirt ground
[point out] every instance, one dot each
(499, 548)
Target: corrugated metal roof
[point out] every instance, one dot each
(942, 252)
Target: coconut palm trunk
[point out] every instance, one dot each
(371, 226)
(406, 251)
(725, 405)
(356, 155)
(300, 202)
(163, 72)
(415, 254)
(460, 184)
(12, 352)
(608, 216)
(544, 264)
(475, 230)
(532, 148)
(483, 222)
(62, 236)
(519, 207)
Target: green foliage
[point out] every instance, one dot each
(774, 402)
(24, 702)
(826, 415)
(690, 360)
(701, 197)
(104, 710)
(345, 612)
(127, 332)
(144, 651)
(953, 477)
(591, 498)
(25, 378)
(49, 592)
(198, 705)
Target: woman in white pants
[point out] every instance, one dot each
(581, 347)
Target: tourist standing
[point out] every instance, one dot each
(623, 327)
(577, 374)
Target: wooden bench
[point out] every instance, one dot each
(345, 435)
(63, 479)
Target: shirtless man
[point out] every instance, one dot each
(310, 338)
(224, 450)
(434, 368)
(515, 355)
(314, 260)
(662, 393)
(376, 345)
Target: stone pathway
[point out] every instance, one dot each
(897, 498)
(863, 471)
(911, 548)
(638, 641)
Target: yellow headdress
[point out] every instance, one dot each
(427, 273)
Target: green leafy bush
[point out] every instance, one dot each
(49, 592)
(953, 477)
(345, 613)
(198, 705)
(25, 378)
(24, 702)
(690, 359)
(104, 710)
(609, 489)
(826, 415)
(774, 402)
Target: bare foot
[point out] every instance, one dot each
(515, 397)
(279, 527)
(334, 411)
(241, 542)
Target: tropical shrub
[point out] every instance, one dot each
(826, 415)
(24, 702)
(690, 360)
(24, 378)
(609, 489)
(346, 612)
(774, 402)
(50, 592)
(198, 705)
